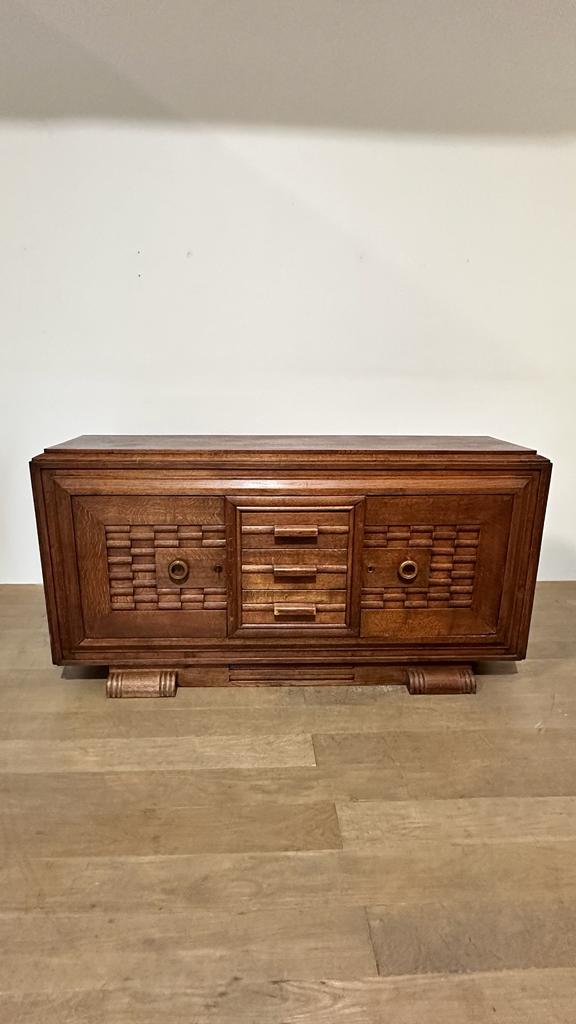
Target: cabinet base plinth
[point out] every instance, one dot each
(441, 679)
(418, 679)
(138, 683)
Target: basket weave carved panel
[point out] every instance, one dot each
(133, 553)
(452, 552)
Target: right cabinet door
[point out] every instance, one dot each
(442, 567)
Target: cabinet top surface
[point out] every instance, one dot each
(283, 443)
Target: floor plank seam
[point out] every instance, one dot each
(314, 750)
(372, 943)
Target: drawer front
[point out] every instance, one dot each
(295, 528)
(434, 567)
(277, 607)
(299, 569)
(294, 560)
(153, 567)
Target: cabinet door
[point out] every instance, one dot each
(151, 566)
(435, 566)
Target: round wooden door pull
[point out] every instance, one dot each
(178, 570)
(408, 570)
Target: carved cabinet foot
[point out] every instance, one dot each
(441, 679)
(140, 683)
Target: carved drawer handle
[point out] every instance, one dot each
(408, 570)
(178, 570)
(295, 532)
(290, 611)
(295, 570)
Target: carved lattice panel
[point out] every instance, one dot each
(133, 553)
(452, 551)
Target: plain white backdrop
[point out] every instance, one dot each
(317, 217)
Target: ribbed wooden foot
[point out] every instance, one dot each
(137, 683)
(441, 679)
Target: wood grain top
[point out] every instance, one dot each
(284, 443)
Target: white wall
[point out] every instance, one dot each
(287, 217)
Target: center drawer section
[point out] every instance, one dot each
(295, 565)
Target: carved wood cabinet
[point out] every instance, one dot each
(230, 560)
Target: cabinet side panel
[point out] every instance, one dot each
(64, 564)
(37, 478)
(534, 536)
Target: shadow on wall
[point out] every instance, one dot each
(497, 66)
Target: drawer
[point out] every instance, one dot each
(278, 608)
(295, 528)
(299, 569)
(296, 577)
(328, 560)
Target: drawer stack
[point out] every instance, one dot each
(295, 566)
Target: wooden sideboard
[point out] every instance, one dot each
(198, 560)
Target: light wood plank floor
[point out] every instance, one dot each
(338, 855)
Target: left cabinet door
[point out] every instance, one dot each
(138, 565)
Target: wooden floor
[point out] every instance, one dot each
(288, 855)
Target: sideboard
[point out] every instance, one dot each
(231, 560)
